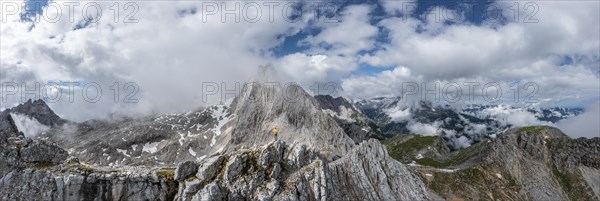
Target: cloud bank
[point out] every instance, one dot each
(370, 50)
(583, 125)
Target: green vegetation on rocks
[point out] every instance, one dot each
(166, 173)
(44, 164)
(402, 147)
(531, 129)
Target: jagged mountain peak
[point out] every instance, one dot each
(295, 113)
(37, 110)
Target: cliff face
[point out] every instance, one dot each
(368, 172)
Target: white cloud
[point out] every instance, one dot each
(169, 55)
(29, 126)
(517, 117)
(461, 142)
(404, 7)
(398, 114)
(424, 129)
(386, 83)
(583, 125)
(308, 69)
(517, 51)
(353, 34)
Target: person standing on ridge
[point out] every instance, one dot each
(274, 134)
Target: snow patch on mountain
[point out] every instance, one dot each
(213, 141)
(151, 147)
(192, 152)
(344, 114)
(222, 117)
(124, 152)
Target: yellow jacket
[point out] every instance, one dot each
(274, 131)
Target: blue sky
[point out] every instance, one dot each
(472, 11)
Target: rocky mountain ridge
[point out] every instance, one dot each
(529, 163)
(313, 140)
(225, 152)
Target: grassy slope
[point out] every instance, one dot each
(404, 148)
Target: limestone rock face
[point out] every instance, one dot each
(368, 172)
(186, 169)
(209, 168)
(51, 184)
(243, 122)
(280, 171)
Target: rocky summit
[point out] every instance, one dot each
(328, 149)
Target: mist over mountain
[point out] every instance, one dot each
(583, 125)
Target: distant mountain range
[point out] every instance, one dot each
(460, 127)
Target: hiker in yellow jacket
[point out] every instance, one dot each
(275, 134)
